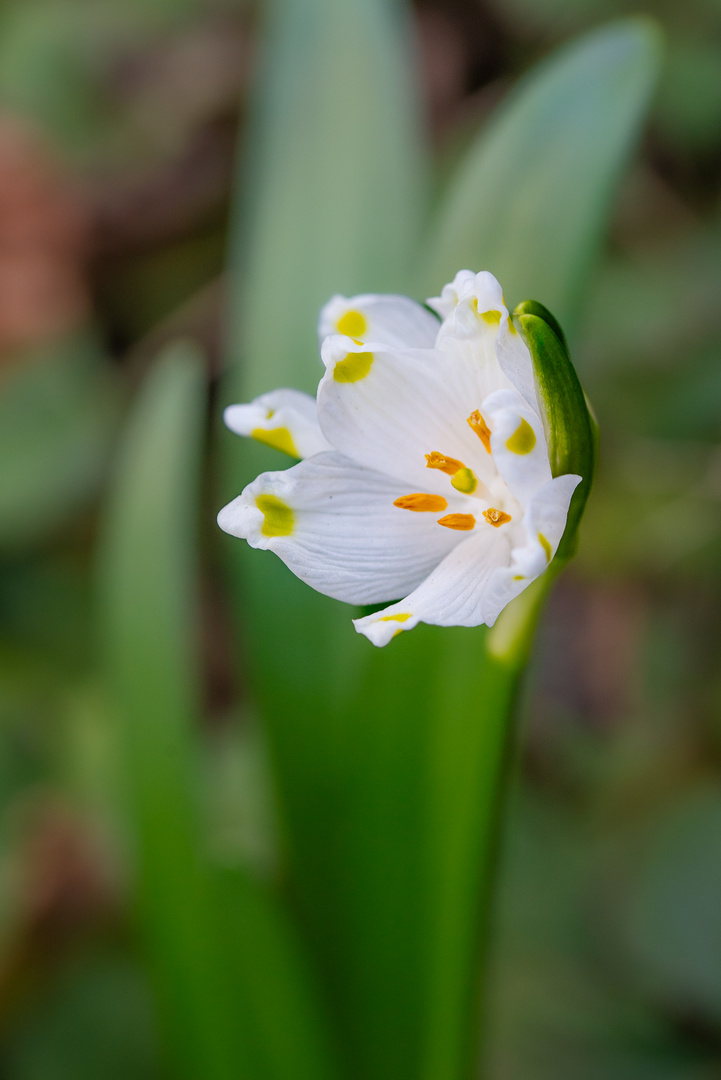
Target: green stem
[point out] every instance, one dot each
(469, 769)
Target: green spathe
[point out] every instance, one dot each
(571, 431)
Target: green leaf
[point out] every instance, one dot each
(389, 763)
(329, 194)
(531, 200)
(670, 911)
(227, 969)
(570, 430)
(530, 204)
(149, 615)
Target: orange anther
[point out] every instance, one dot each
(462, 522)
(481, 429)
(447, 465)
(420, 502)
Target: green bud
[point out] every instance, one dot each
(570, 427)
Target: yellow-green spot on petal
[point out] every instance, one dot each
(279, 438)
(402, 617)
(465, 480)
(354, 368)
(353, 324)
(493, 318)
(518, 577)
(546, 546)
(522, 440)
(278, 516)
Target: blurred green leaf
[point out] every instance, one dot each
(93, 1018)
(531, 200)
(149, 614)
(329, 202)
(380, 755)
(689, 107)
(57, 420)
(330, 188)
(530, 204)
(209, 955)
(672, 916)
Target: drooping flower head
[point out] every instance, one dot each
(427, 469)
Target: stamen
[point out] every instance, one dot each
(448, 465)
(496, 518)
(419, 502)
(481, 428)
(465, 480)
(462, 522)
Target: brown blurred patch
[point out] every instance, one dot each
(43, 293)
(61, 887)
(462, 49)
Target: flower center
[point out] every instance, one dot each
(496, 517)
(465, 481)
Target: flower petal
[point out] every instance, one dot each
(469, 303)
(333, 523)
(544, 522)
(391, 320)
(518, 442)
(284, 419)
(515, 361)
(453, 594)
(388, 409)
(473, 309)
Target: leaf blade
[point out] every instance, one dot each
(330, 195)
(531, 199)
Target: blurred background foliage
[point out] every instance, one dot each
(119, 124)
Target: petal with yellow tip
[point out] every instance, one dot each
(384, 320)
(335, 526)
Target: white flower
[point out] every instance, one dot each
(426, 470)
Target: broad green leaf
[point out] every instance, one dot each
(388, 763)
(671, 913)
(530, 204)
(329, 187)
(149, 614)
(328, 203)
(531, 200)
(227, 970)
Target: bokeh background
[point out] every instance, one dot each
(119, 131)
